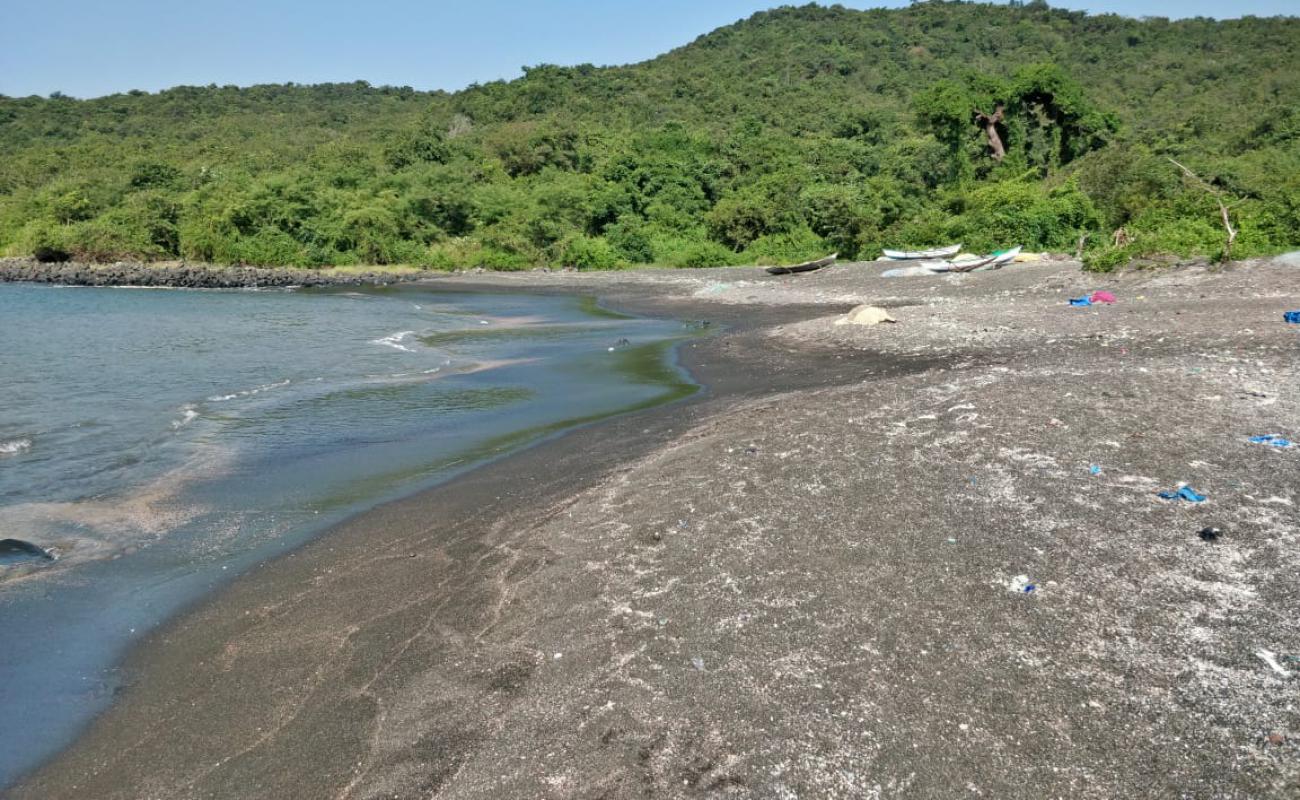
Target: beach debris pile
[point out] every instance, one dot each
(865, 315)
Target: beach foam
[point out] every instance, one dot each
(188, 414)
(395, 341)
(15, 447)
(249, 392)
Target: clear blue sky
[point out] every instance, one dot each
(88, 48)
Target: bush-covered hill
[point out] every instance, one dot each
(795, 132)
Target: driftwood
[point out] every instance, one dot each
(1224, 208)
(989, 122)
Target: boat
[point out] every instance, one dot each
(807, 266)
(914, 255)
(971, 264)
(991, 262)
(1002, 258)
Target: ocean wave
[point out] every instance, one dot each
(188, 414)
(15, 447)
(221, 398)
(395, 341)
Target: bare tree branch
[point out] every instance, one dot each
(990, 124)
(1217, 194)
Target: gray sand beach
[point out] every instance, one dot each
(918, 559)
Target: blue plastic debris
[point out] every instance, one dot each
(1029, 588)
(1182, 493)
(1272, 440)
(1094, 469)
(1081, 301)
(1292, 317)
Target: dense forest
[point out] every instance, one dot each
(796, 132)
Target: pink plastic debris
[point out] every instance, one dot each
(1103, 297)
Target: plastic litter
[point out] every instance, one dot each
(1094, 469)
(1210, 534)
(698, 663)
(1292, 317)
(1081, 301)
(1270, 658)
(1272, 440)
(1021, 585)
(1103, 297)
(1182, 493)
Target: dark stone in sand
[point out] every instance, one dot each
(16, 551)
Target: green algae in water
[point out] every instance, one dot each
(646, 364)
(592, 307)
(487, 335)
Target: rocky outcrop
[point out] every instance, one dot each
(196, 276)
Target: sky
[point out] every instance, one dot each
(88, 48)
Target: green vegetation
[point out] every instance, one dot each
(791, 134)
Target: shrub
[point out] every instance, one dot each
(800, 244)
(270, 247)
(700, 254)
(585, 252)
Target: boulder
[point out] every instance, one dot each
(865, 315)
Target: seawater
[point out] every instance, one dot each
(159, 442)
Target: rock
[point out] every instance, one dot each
(183, 275)
(16, 551)
(865, 315)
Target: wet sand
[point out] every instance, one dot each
(808, 581)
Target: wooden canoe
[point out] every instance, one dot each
(916, 255)
(986, 263)
(807, 266)
(972, 264)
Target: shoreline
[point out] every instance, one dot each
(790, 582)
(195, 276)
(632, 432)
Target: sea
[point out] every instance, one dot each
(154, 443)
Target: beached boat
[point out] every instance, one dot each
(807, 266)
(994, 261)
(915, 255)
(971, 264)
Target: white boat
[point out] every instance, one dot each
(1007, 256)
(915, 255)
(972, 264)
(1003, 258)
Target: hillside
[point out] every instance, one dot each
(791, 133)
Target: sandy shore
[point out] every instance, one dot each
(806, 582)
